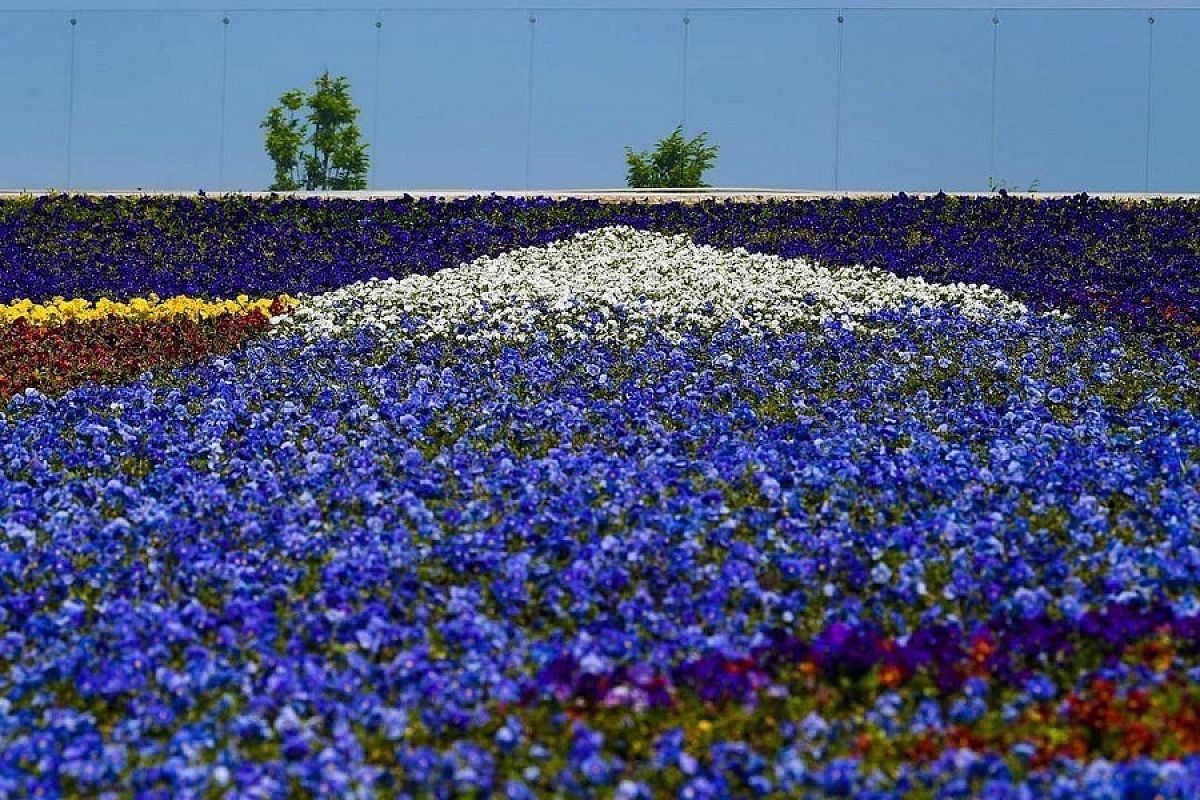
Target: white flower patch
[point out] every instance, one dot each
(648, 275)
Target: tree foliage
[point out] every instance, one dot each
(314, 139)
(675, 162)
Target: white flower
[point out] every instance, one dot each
(650, 276)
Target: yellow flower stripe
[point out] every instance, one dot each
(59, 310)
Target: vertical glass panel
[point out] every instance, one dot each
(453, 99)
(302, 45)
(146, 99)
(916, 100)
(1071, 99)
(762, 84)
(1175, 131)
(603, 80)
(34, 58)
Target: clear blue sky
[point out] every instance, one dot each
(453, 91)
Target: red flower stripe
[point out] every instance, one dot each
(54, 359)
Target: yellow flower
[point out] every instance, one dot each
(58, 309)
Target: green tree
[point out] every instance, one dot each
(314, 139)
(675, 163)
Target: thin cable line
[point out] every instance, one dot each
(529, 103)
(70, 101)
(644, 8)
(375, 112)
(995, 58)
(224, 94)
(1149, 101)
(837, 106)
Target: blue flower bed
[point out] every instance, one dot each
(915, 550)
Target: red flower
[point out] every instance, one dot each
(112, 350)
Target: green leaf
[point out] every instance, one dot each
(314, 139)
(675, 162)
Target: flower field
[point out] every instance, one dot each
(521, 498)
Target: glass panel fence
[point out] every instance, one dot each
(549, 99)
(602, 80)
(763, 85)
(1071, 99)
(1172, 157)
(273, 52)
(916, 100)
(453, 100)
(146, 100)
(34, 78)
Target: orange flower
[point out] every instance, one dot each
(891, 675)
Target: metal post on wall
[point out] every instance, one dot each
(70, 101)
(375, 108)
(1149, 100)
(683, 99)
(992, 125)
(837, 107)
(529, 102)
(224, 94)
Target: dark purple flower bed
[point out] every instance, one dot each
(1137, 260)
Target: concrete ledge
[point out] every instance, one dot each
(610, 195)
